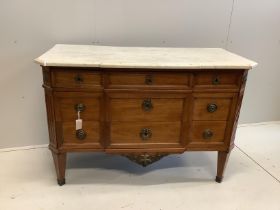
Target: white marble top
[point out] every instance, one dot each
(143, 57)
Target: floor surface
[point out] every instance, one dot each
(98, 181)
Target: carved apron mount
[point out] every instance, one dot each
(146, 158)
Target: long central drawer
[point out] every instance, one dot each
(144, 133)
(146, 109)
(147, 119)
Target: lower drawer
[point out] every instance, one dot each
(90, 133)
(208, 132)
(141, 134)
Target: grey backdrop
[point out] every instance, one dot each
(30, 27)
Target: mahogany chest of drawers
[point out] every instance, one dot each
(142, 103)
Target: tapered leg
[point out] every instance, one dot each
(221, 165)
(60, 166)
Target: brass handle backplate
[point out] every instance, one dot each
(79, 107)
(207, 134)
(216, 80)
(81, 134)
(78, 78)
(147, 105)
(149, 79)
(212, 108)
(145, 133)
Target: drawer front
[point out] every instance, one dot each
(217, 80)
(144, 134)
(148, 80)
(208, 132)
(146, 109)
(67, 105)
(211, 108)
(76, 78)
(90, 133)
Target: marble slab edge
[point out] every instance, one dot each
(44, 63)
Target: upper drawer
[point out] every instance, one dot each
(213, 106)
(67, 105)
(217, 79)
(76, 78)
(146, 109)
(149, 80)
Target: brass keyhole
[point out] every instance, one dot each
(216, 80)
(145, 133)
(147, 105)
(149, 80)
(78, 78)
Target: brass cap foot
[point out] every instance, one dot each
(219, 179)
(61, 182)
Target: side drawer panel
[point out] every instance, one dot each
(75, 78)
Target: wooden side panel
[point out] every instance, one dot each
(46, 76)
(51, 118)
(235, 115)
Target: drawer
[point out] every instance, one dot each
(146, 109)
(75, 78)
(148, 80)
(144, 133)
(90, 133)
(217, 79)
(67, 105)
(211, 108)
(208, 131)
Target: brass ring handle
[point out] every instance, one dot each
(149, 79)
(212, 108)
(147, 105)
(79, 107)
(81, 134)
(216, 80)
(78, 78)
(145, 133)
(207, 134)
